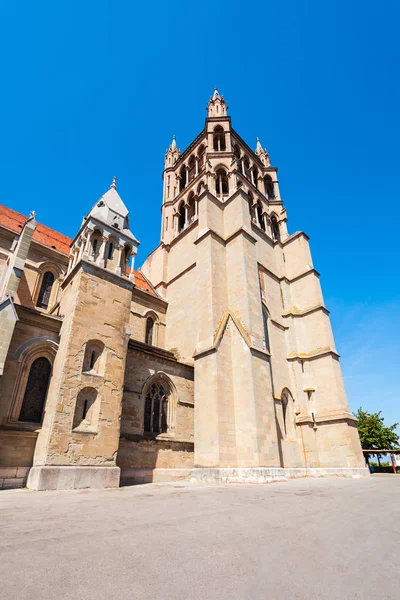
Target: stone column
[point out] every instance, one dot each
(120, 248)
(101, 260)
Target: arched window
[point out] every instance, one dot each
(236, 152)
(251, 206)
(269, 187)
(45, 290)
(276, 235)
(149, 331)
(266, 331)
(191, 207)
(182, 180)
(92, 361)
(246, 167)
(181, 217)
(219, 139)
(94, 246)
(36, 391)
(125, 260)
(156, 409)
(201, 155)
(255, 175)
(110, 253)
(260, 216)
(221, 183)
(86, 415)
(287, 413)
(192, 168)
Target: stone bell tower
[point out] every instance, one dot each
(245, 304)
(79, 439)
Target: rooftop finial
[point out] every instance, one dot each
(173, 144)
(114, 183)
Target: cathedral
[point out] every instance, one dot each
(214, 362)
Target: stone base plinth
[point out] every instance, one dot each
(269, 474)
(73, 478)
(135, 476)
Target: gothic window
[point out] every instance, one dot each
(246, 167)
(221, 184)
(182, 180)
(125, 260)
(191, 207)
(110, 253)
(192, 168)
(255, 175)
(260, 215)
(45, 290)
(236, 152)
(266, 332)
(201, 155)
(284, 412)
(219, 139)
(269, 187)
(287, 413)
(156, 409)
(94, 247)
(251, 206)
(36, 391)
(181, 217)
(149, 331)
(275, 229)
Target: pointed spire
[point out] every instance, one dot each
(114, 184)
(216, 94)
(172, 153)
(262, 153)
(216, 105)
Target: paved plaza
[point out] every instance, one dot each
(304, 539)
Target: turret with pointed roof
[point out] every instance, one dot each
(105, 237)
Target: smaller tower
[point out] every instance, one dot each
(78, 442)
(262, 154)
(217, 106)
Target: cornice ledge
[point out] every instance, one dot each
(280, 325)
(294, 236)
(309, 271)
(294, 311)
(319, 352)
(326, 417)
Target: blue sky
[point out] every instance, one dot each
(95, 89)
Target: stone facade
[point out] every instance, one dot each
(216, 361)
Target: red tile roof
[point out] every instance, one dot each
(53, 239)
(44, 235)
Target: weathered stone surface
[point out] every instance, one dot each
(241, 349)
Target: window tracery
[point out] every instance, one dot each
(156, 409)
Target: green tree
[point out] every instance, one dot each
(374, 433)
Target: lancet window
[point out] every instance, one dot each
(149, 331)
(156, 409)
(221, 183)
(45, 290)
(269, 187)
(219, 139)
(36, 391)
(276, 235)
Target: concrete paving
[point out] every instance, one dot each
(304, 539)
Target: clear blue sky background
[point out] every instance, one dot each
(94, 89)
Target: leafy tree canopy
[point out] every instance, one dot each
(374, 433)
